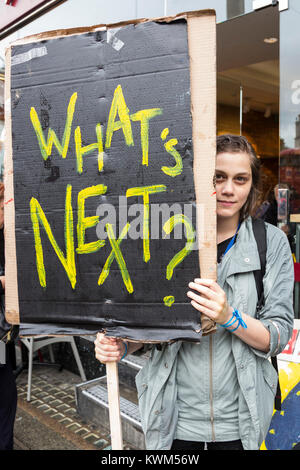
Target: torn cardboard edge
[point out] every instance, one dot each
(134, 335)
(201, 26)
(53, 34)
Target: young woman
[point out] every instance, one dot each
(221, 391)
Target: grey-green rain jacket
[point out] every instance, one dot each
(156, 382)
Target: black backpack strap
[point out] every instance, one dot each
(277, 403)
(260, 234)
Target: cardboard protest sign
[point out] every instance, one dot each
(109, 169)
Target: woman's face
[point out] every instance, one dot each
(233, 183)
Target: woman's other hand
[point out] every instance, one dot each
(109, 349)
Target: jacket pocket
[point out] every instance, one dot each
(266, 391)
(270, 375)
(141, 382)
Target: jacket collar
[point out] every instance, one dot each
(243, 256)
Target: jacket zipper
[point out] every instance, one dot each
(211, 387)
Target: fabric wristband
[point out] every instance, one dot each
(126, 350)
(236, 317)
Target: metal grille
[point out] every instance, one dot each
(128, 409)
(136, 362)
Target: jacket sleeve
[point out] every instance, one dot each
(278, 314)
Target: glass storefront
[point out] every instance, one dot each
(289, 175)
(248, 59)
(290, 103)
(229, 101)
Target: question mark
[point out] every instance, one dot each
(182, 254)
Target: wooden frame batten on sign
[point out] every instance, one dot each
(11, 279)
(202, 50)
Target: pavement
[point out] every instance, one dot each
(49, 421)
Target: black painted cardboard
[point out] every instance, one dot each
(150, 62)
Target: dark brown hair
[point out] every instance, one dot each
(1, 190)
(237, 144)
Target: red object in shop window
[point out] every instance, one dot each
(290, 347)
(297, 272)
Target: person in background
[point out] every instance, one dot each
(8, 389)
(269, 211)
(220, 392)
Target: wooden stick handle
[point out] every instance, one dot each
(114, 406)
